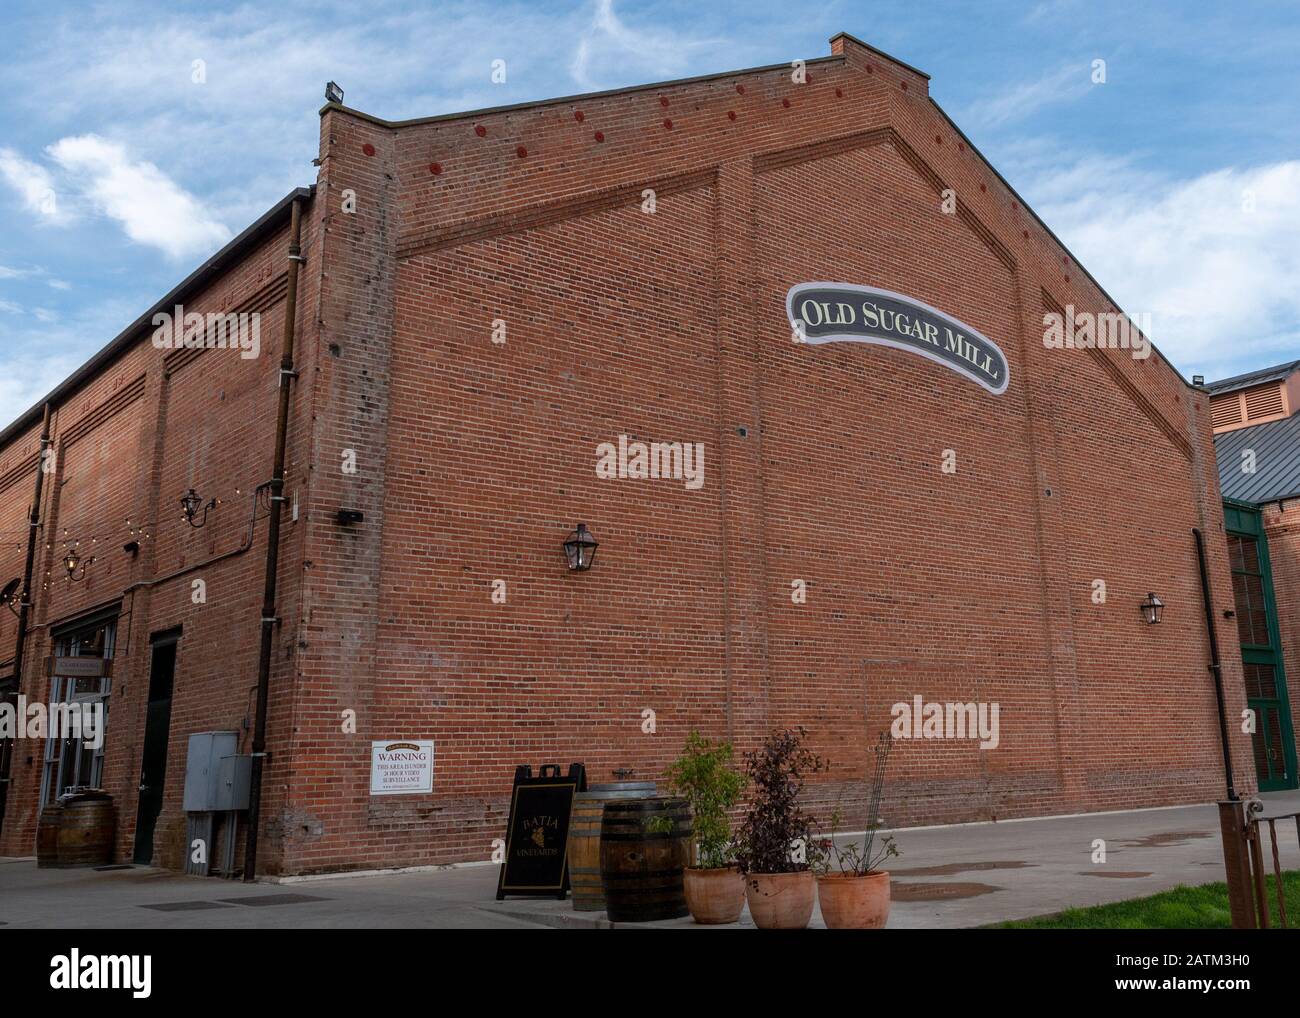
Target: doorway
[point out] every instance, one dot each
(157, 728)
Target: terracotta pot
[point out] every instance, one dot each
(854, 903)
(715, 896)
(780, 901)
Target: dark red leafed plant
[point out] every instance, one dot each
(774, 827)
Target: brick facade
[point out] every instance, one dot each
(475, 458)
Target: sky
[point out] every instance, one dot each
(136, 138)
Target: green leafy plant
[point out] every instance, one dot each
(774, 826)
(858, 858)
(706, 777)
(661, 823)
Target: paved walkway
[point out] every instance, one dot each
(967, 875)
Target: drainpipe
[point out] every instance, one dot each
(24, 606)
(1215, 668)
(269, 620)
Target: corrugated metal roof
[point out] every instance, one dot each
(1273, 374)
(1276, 446)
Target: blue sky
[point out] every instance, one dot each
(1176, 181)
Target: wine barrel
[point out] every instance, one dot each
(86, 832)
(584, 838)
(47, 835)
(641, 865)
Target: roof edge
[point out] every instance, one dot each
(558, 100)
(1248, 379)
(1051, 233)
(879, 52)
(201, 276)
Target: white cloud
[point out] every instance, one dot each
(611, 48)
(151, 207)
(1020, 101)
(36, 354)
(34, 186)
(1217, 275)
(25, 379)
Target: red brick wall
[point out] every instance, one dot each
(17, 485)
(671, 327)
(822, 464)
(129, 444)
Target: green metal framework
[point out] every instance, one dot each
(1273, 740)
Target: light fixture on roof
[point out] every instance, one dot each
(1198, 379)
(333, 94)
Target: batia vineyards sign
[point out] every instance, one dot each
(844, 313)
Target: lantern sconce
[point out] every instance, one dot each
(12, 596)
(191, 503)
(75, 565)
(580, 548)
(1152, 608)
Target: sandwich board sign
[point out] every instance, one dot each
(537, 833)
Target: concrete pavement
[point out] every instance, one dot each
(957, 876)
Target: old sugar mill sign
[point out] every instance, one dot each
(844, 313)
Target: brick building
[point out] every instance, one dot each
(1256, 419)
(487, 301)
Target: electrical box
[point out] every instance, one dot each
(214, 776)
(233, 776)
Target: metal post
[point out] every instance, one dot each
(269, 619)
(1236, 864)
(1216, 669)
(25, 605)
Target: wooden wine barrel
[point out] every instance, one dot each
(47, 835)
(86, 832)
(584, 838)
(640, 865)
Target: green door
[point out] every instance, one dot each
(1272, 740)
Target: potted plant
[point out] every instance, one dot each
(776, 834)
(705, 776)
(851, 888)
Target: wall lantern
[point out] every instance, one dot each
(76, 565)
(1152, 608)
(580, 548)
(12, 596)
(191, 503)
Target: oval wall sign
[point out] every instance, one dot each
(844, 313)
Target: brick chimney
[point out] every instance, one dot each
(861, 55)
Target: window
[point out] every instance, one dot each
(1248, 590)
(75, 762)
